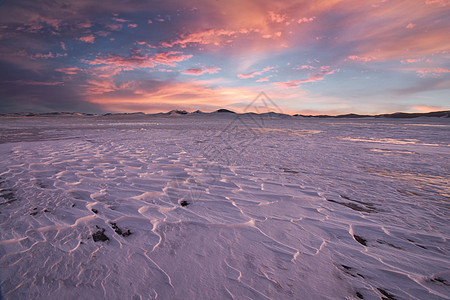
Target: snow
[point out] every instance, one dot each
(224, 206)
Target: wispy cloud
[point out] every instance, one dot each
(254, 73)
(318, 76)
(201, 70)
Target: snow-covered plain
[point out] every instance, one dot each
(224, 206)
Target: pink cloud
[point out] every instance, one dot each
(263, 79)
(114, 27)
(69, 71)
(170, 58)
(442, 3)
(138, 60)
(132, 25)
(433, 72)
(255, 73)
(410, 25)
(305, 67)
(102, 33)
(88, 39)
(306, 20)
(201, 70)
(121, 20)
(277, 18)
(149, 21)
(410, 60)
(325, 70)
(208, 37)
(360, 58)
(85, 24)
(63, 46)
(42, 55)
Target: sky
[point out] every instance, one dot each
(309, 57)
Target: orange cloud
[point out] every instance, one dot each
(427, 108)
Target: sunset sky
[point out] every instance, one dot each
(310, 57)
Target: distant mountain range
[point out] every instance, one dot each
(223, 111)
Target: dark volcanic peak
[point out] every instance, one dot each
(177, 112)
(402, 115)
(353, 116)
(223, 110)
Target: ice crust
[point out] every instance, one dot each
(224, 207)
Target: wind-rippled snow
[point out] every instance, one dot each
(238, 207)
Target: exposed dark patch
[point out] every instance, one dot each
(347, 270)
(8, 195)
(33, 213)
(439, 279)
(119, 231)
(46, 210)
(368, 209)
(423, 247)
(359, 295)
(387, 295)
(346, 267)
(94, 211)
(362, 276)
(184, 203)
(100, 236)
(73, 205)
(389, 244)
(286, 170)
(360, 240)
(42, 185)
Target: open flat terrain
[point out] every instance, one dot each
(224, 207)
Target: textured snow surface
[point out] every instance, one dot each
(224, 207)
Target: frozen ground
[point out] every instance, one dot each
(213, 207)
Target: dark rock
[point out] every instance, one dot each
(100, 236)
(184, 203)
(33, 213)
(346, 267)
(441, 280)
(387, 295)
(286, 170)
(359, 295)
(360, 240)
(119, 231)
(94, 211)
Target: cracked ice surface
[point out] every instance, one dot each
(193, 208)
